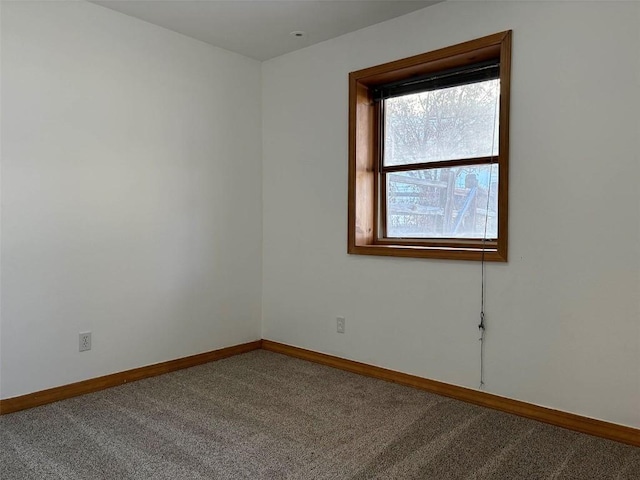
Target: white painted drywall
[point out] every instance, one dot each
(563, 314)
(131, 194)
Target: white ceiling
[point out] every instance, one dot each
(261, 29)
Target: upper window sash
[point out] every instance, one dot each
(450, 123)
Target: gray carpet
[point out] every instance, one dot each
(266, 416)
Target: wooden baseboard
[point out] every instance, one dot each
(51, 395)
(599, 428)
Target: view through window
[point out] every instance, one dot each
(422, 130)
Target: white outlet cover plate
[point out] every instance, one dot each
(84, 341)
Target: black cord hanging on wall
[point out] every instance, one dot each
(482, 325)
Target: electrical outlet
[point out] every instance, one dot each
(340, 324)
(85, 341)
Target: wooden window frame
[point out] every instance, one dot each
(364, 153)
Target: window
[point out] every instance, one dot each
(428, 154)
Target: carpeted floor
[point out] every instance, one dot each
(266, 416)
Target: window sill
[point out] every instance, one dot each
(415, 251)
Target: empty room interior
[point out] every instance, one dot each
(320, 239)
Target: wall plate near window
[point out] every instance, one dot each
(428, 153)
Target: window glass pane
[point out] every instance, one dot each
(445, 124)
(454, 202)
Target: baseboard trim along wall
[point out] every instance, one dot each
(55, 394)
(571, 421)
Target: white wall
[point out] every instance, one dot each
(131, 195)
(563, 314)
